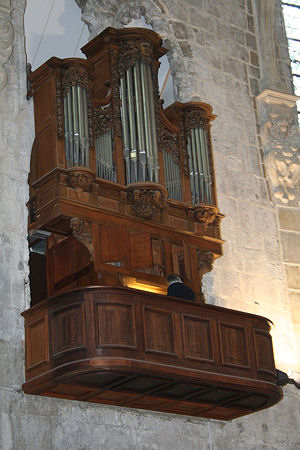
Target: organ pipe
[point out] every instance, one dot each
(76, 127)
(200, 178)
(139, 124)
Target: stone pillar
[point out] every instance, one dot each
(280, 140)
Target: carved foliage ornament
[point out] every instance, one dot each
(169, 143)
(6, 40)
(148, 199)
(131, 51)
(74, 76)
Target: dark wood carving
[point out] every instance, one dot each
(123, 347)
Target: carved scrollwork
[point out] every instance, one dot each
(169, 143)
(148, 199)
(102, 119)
(80, 179)
(82, 231)
(116, 103)
(207, 215)
(195, 118)
(6, 40)
(74, 76)
(59, 108)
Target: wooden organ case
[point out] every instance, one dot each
(122, 193)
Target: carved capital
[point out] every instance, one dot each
(80, 179)
(6, 40)
(148, 199)
(82, 231)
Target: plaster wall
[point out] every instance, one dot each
(214, 58)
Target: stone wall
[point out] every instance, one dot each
(214, 47)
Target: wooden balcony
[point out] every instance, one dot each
(126, 347)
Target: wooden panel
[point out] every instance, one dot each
(68, 329)
(234, 349)
(43, 104)
(63, 259)
(159, 331)
(140, 250)
(114, 245)
(115, 325)
(37, 342)
(46, 153)
(178, 260)
(264, 352)
(197, 338)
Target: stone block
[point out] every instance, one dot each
(251, 41)
(291, 247)
(289, 218)
(295, 307)
(250, 23)
(293, 276)
(237, 35)
(235, 68)
(186, 49)
(180, 30)
(254, 58)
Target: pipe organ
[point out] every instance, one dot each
(107, 153)
(122, 193)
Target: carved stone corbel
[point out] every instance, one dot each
(148, 199)
(6, 39)
(82, 231)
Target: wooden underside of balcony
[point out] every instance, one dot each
(130, 348)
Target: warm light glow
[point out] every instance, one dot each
(142, 285)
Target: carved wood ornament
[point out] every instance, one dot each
(82, 231)
(148, 199)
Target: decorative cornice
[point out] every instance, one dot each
(6, 39)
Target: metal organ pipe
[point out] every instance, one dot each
(76, 127)
(199, 167)
(138, 124)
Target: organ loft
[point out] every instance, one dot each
(122, 193)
